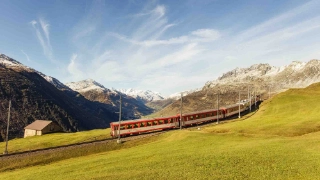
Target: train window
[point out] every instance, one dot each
(161, 122)
(197, 116)
(149, 123)
(155, 123)
(208, 115)
(166, 121)
(191, 117)
(141, 124)
(122, 128)
(129, 126)
(135, 125)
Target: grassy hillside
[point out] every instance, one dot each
(52, 140)
(291, 113)
(280, 141)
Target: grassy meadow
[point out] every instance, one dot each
(280, 141)
(55, 139)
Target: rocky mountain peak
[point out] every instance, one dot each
(11, 63)
(86, 85)
(296, 65)
(295, 75)
(145, 96)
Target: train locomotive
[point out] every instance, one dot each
(139, 126)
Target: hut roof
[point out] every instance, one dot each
(38, 124)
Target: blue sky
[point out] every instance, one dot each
(164, 46)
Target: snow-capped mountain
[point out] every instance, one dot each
(145, 96)
(131, 107)
(13, 64)
(88, 85)
(296, 74)
(184, 93)
(34, 97)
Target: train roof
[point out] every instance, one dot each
(142, 120)
(243, 102)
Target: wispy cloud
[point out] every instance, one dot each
(43, 36)
(200, 35)
(26, 55)
(159, 11)
(45, 28)
(73, 67)
(154, 54)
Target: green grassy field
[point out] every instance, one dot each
(280, 141)
(52, 140)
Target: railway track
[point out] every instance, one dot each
(62, 148)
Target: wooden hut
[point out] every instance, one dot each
(40, 127)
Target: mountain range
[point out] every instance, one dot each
(132, 107)
(87, 104)
(295, 75)
(33, 97)
(259, 79)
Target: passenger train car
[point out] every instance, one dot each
(138, 126)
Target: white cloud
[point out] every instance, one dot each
(160, 11)
(45, 28)
(200, 35)
(26, 55)
(43, 37)
(84, 32)
(149, 56)
(73, 68)
(33, 22)
(207, 34)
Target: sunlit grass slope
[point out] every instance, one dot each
(55, 139)
(291, 113)
(280, 141)
(192, 155)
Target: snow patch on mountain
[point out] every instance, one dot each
(184, 93)
(296, 74)
(142, 95)
(87, 85)
(10, 63)
(14, 64)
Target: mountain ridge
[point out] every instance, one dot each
(33, 97)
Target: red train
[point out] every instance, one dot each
(138, 126)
